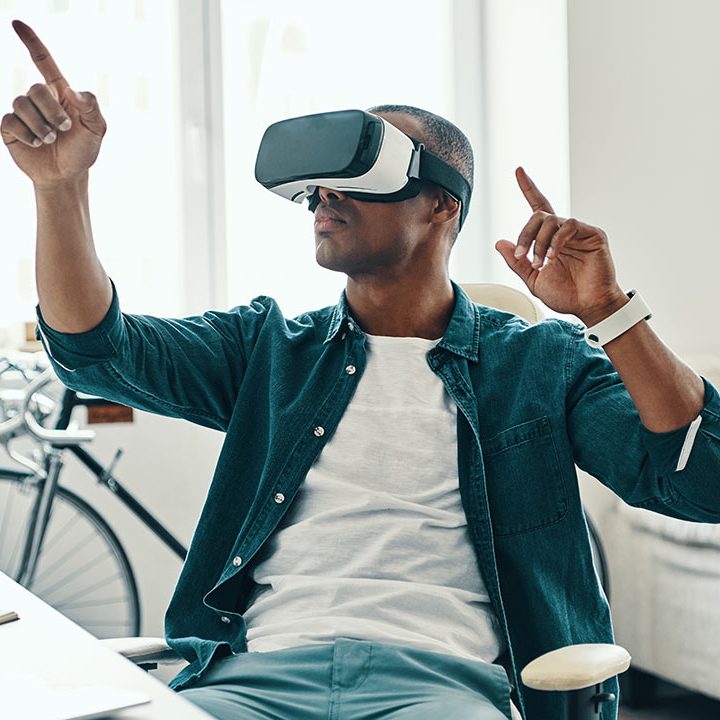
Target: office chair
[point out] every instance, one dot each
(578, 670)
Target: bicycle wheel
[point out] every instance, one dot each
(82, 570)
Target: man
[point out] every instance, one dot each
(427, 445)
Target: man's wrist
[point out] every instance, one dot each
(77, 185)
(601, 312)
(619, 322)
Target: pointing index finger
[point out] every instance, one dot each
(535, 198)
(40, 56)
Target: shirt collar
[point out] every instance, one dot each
(340, 317)
(461, 335)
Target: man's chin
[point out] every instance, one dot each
(328, 260)
(335, 267)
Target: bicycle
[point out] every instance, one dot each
(52, 541)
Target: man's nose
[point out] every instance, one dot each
(327, 194)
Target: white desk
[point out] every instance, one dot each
(45, 644)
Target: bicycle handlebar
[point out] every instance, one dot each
(67, 436)
(25, 417)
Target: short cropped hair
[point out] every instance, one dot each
(441, 137)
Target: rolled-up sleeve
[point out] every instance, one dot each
(188, 368)
(676, 473)
(73, 351)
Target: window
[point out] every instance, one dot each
(126, 53)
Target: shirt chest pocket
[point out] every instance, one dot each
(525, 486)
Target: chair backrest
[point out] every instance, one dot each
(506, 298)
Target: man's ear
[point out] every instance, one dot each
(445, 208)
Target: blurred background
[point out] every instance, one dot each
(610, 105)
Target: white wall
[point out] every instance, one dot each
(644, 154)
(644, 151)
(167, 465)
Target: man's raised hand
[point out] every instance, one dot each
(53, 134)
(572, 270)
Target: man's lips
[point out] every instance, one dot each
(327, 219)
(324, 224)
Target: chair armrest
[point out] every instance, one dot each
(143, 650)
(575, 666)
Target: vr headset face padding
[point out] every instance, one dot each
(361, 154)
(411, 190)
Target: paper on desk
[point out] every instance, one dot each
(24, 697)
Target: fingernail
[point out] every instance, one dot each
(50, 137)
(536, 263)
(550, 253)
(518, 251)
(78, 95)
(37, 142)
(66, 124)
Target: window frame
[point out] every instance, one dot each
(203, 184)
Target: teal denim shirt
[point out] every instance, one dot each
(533, 401)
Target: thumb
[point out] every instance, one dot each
(521, 266)
(86, 106)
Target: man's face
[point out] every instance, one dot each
(358, 237)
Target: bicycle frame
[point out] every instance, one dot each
(106, 478)
(39, 519)
(104, 475)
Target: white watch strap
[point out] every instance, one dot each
(619, 322)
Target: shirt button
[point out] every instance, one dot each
(279, 498)
(225, 619)
(351, 327)
(237, 561)
(350, 369)
(319, 431)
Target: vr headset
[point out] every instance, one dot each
(356, 152)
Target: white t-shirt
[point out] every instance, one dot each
(376, 543)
